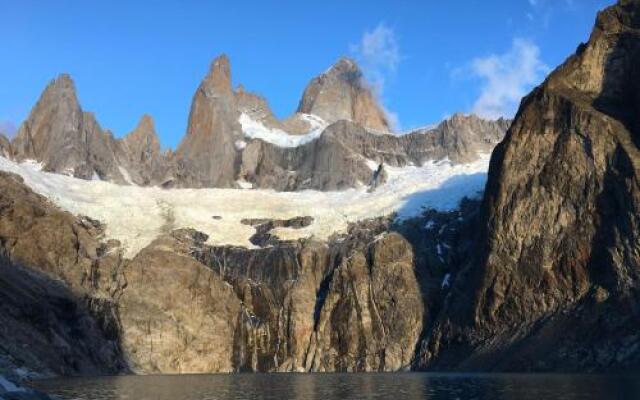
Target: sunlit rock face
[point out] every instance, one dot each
(145, 163)
(180, 305)
(542, 274)
(341, 93)
(233, 139)
(65, 139)
(207, 156)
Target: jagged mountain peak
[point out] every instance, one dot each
(60, 89)
(144, 135)
(341, 93)
(52, 122)
(207, 153)
(347, 69)
(220, 145)
(218, 78)
(594, 70)
(146, 124)
(63, 80)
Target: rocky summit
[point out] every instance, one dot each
(233, 139)
(540, 272)
(341, 93)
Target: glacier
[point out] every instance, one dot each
(136, 215)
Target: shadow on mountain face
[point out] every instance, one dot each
(442, 241)
(47, 329)
(446, 197)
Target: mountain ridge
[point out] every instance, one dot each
(234, 140)
(540, 275)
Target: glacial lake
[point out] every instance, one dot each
(347, 386)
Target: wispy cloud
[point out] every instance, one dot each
(507, 78)
(379, 56)
(543, 11)
(8, 128)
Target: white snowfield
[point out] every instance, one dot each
(137, 215)
(253, 129)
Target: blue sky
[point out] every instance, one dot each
(427, 59)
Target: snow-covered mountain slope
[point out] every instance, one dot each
(136, 215)
(253, 129)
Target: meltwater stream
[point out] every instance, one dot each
(347, 386)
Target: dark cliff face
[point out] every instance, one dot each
(55, 319)
(554, 279)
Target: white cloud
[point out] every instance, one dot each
(507, 78)
(379, 56)
(7, 128)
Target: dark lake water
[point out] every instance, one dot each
(347, 386)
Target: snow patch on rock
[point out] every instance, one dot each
(125, 175)
(253, 129)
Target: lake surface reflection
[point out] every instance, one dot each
(347, 386)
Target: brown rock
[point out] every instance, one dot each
(560, 222)
(342, 94)
(146, 164)
(65, 139)
(176, 315)
(372, 316)
(207, 156)
(6, 150)
(54, 318)
(256, 107)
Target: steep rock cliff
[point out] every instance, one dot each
(553, 283)
(207, 155)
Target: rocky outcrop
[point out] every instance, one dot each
(6, 150)
(65, 139)
(345, 154)
(338, 113)
(341, 93)
(352, 304)
(372, 312)
(256, 107)
(553, 282)
(263, 236)
(295, 307)
(460, 138)
(325, 164)
(146, 164)
(207, 156)
(54, 319)
(177, 316)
